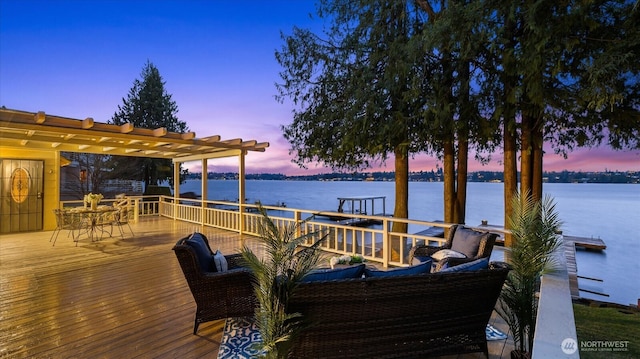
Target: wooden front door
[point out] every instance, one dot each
(21, 197)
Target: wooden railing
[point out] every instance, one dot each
(141, 206)
(377, 243)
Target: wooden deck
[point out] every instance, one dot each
(110, 299)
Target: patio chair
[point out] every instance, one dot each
(463, 245)
(121, 216)
(68, 221)
(218, 294)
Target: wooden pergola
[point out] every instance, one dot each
(37, 135)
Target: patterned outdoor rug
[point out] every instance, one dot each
(494, 334)
(240, 332)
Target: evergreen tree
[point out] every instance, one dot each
(454, 41)
(565, 74)
(147, 105)
(357, 89)
(391, 79)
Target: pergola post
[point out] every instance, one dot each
(205, 181)
(241, 190)
(176, 187)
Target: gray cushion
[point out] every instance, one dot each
(220, 262)
(482, 263)
(467, 241)
(424, 267)
(333, 274)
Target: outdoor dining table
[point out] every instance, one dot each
(95, 219)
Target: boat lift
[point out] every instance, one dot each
(359, 205)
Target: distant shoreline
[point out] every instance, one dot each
(622, 177)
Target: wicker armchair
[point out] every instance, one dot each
(217, 294)
(486, 240)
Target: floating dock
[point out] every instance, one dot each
(571, 243)
(434, 231)
(359, 222)
(594, 244)
(588, 243)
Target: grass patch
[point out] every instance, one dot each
(609, 325)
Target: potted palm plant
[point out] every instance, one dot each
(276, 276)
(534, 225)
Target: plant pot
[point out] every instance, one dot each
(336, 266)
(518, 354)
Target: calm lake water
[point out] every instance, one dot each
(607, 211)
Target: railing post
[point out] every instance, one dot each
(242, 218)
(385, 243)
(136, 209)
(297, 217)
(203, 211)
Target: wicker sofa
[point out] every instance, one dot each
(405, 316)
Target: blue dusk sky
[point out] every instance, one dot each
(79, 59)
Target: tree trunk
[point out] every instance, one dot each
(510, 174)
(461, 185)
(449, 181)
(526, 154)
(401, 208)
(509, 81)
(537, 142)
(467, 111)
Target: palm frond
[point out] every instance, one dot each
(288, 258)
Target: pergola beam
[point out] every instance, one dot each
(38, 130)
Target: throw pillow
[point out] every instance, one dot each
(467, 241)
(333, 274)
(447, 253)
(420, 259)
(203, 254)
(220, 262)
(424, 267)
(478, 264)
